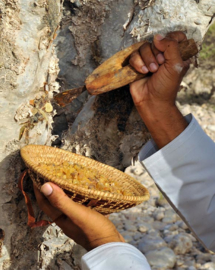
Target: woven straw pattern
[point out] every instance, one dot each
(103, 202)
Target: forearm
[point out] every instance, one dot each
(164, 123)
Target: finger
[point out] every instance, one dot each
(159, 55)
(169, 44)
(63, 203)
(177, 35)
(148, 57)
(137, 62)
(45, 205)
(169, 47)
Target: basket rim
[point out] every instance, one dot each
(95, 194)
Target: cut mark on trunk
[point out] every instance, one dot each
(115, 103)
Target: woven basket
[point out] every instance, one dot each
(103, 202)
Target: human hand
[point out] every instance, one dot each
(155, 96)
(85, 226)
(162, 58)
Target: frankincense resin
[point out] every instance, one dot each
(85, 177)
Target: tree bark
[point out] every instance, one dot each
(33, 64)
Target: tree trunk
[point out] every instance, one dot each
(106, 128)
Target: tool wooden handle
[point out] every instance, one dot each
(112, 74)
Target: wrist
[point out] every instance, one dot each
(156, 111)
(164, 121)
(106, 240)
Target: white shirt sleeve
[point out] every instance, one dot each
(114, 256)
(184, 170)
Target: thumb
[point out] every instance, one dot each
(47, 189)
(169, 46)
(56, 196)
(62, 202)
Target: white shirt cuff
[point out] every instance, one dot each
(150, 147)
(114, 256)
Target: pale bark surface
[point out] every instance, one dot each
(107, 129)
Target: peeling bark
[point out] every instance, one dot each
(26, 63)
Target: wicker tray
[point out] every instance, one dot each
(103, 202)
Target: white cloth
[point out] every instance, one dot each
(115, 256)
(184, 170)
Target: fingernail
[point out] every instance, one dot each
(153, 67)
(160, 58)
(145, 69)
(47, 189)
(159, 36)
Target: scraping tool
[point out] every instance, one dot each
(116, 72)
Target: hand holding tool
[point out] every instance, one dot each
(116, 72)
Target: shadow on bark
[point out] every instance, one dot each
(20, 241)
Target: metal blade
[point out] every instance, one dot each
(66, 97)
